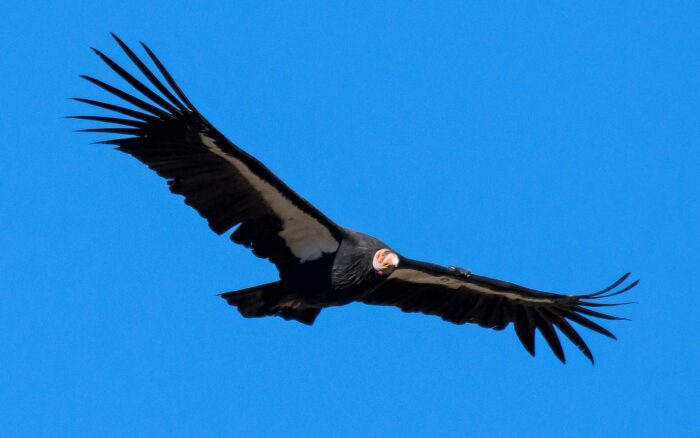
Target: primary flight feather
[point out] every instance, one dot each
(321, 264)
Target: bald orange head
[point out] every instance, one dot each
(385, 261)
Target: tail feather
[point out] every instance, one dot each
(305, 315)
(267, 300)
(249, 302)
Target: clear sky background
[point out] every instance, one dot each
(553, 146)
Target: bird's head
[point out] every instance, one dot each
(385, 261)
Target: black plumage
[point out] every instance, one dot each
(320, 263)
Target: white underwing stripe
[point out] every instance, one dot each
(415, 276)
(306, 238)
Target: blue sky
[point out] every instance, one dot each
(553, 146)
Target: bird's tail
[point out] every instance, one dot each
(268, 300)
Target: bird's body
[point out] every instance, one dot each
(334, 279)
(321, 264)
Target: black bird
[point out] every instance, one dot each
(321, 264)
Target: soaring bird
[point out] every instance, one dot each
(321, 264)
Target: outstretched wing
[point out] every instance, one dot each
(222, 182)
(460, 297)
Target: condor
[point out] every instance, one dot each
(321, 264)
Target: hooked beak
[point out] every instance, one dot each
(393, 260)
